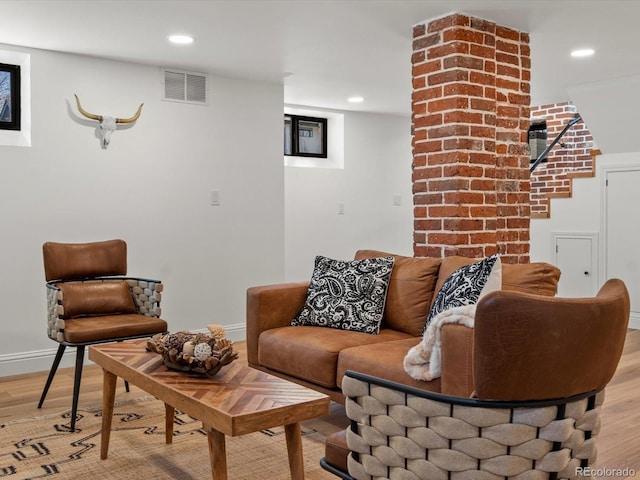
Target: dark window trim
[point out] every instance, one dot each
(14, 72)
(295, 132)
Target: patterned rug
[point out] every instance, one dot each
(44, 447)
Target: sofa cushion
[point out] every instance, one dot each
(82, 299)
(411, 290)
(336, 450)
(311, 353)
(466, 285)
(383, 360)
(538, 277)
(347, 295)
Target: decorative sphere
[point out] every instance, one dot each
(202, 351)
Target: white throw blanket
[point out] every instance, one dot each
(422, 362)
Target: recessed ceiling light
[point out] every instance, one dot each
(355, 99)
(583, 52)
(181, 39)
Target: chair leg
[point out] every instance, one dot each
(52, 372)
(76, 385)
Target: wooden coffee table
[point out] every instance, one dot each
(236, 401)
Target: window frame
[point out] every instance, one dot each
(294, 135)
(537, 136)
(14, 97)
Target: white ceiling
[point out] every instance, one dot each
(324, 51)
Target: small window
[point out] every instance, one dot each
(537, 135)
(305, 136)
(9, 97)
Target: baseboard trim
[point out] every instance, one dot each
(34, 361)
(41, 360)
(235, 333)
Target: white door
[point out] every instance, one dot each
(622, 231)
(575, 256)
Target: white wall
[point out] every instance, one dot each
(583, 214)
(377, 166)
(151, 187)
(609, 108)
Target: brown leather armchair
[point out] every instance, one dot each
(540, 366)
(90, 300)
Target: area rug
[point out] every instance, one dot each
(44, 447)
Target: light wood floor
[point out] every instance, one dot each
(19, 395)
(618, 444)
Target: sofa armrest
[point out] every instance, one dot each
(146, 294)
(456, 360)
(55, 322)
(271, 306)
(530, 347)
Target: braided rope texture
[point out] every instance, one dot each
(399, 436)
(146, 296)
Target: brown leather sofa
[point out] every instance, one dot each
(318, 357)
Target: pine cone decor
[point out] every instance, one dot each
(203, 353)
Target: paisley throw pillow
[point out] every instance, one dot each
(348, 295)
(467, 285)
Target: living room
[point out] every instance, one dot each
(152, 186)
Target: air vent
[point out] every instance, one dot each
(185, 87)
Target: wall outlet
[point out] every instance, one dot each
(397, 200)
(215, 198)
(341, 208)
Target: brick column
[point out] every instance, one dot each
(470, 115)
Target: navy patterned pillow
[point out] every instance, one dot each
(348, 295)
(465, 285)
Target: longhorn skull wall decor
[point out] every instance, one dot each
(107, 124)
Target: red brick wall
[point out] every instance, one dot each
(550, 179)
(470, 114)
